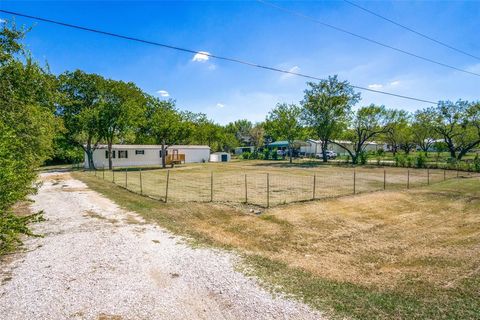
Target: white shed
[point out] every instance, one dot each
(127, 155)
(220, 157)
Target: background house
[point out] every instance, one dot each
(240, 150)
(314, 147)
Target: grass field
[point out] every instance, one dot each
(267, 183)
(395, 254)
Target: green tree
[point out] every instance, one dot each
(241, 130)
(27, 127)
(205, 131)
(283, 123)
(165, 125)
(368, 123)
(458, 123)
(327, 106)
(423, 133)
(80, 110)
(400, 135)
(227, 140)
(257, 134)
(121, 111)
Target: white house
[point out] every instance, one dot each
(145, 155)
(314, 147)
(240, 150)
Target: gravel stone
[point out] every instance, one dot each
(98, 261)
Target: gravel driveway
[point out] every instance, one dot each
(98, 261)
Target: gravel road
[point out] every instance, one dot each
(98, 261)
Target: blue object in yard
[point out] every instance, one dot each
(278, 144)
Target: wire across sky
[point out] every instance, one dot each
(202, 52)
(418, 33)
(312, 19)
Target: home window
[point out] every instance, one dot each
(122, 154)
(139, 151)
(106, 154)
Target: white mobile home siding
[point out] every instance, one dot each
(150, 156)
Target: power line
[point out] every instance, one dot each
(304, 16)
(412, 30)
(234, 60)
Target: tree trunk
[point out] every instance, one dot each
(324, 151)
(290, 152)
(110, 162)
(88, 150)
(164, 162)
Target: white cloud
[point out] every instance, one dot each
(212, 67)
(201, 56)
(395, 83)
(474, 68)
(375, 86)
(220, 105)
(3, 21)
(294, 69)
(163, 93)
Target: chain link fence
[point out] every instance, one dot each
(267, 189)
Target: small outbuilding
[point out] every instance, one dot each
(220, 157)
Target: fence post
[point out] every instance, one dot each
(444, 174)
(354, 180)
(141, 184)
(314, 185)
(211, 186)
(126, 178)
(457, 173)
(408, 179)
(166, 187)
(113, 175)
(103, 172)
(428, 176)
(246, 189)
(95, 169)
(268, 190)
(384, 179)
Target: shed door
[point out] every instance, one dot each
(224, 157)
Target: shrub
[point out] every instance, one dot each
(409, 161)
(400, 160)
(245, 155)
(260, 156)
(274, 154)
(27, 129)
(267, 154)
(420, 160)
(363, 157)
(11, 226)
(476, 163)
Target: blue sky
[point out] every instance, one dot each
(255, 32)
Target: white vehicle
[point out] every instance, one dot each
(330, 155)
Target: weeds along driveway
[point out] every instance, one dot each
(97, 261)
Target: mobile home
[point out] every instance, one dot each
(146, 155)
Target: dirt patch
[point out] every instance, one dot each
(109, 317)
(95, 215)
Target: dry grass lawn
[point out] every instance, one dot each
(390, 255)
(246, 181)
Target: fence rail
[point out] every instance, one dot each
(268, 189)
